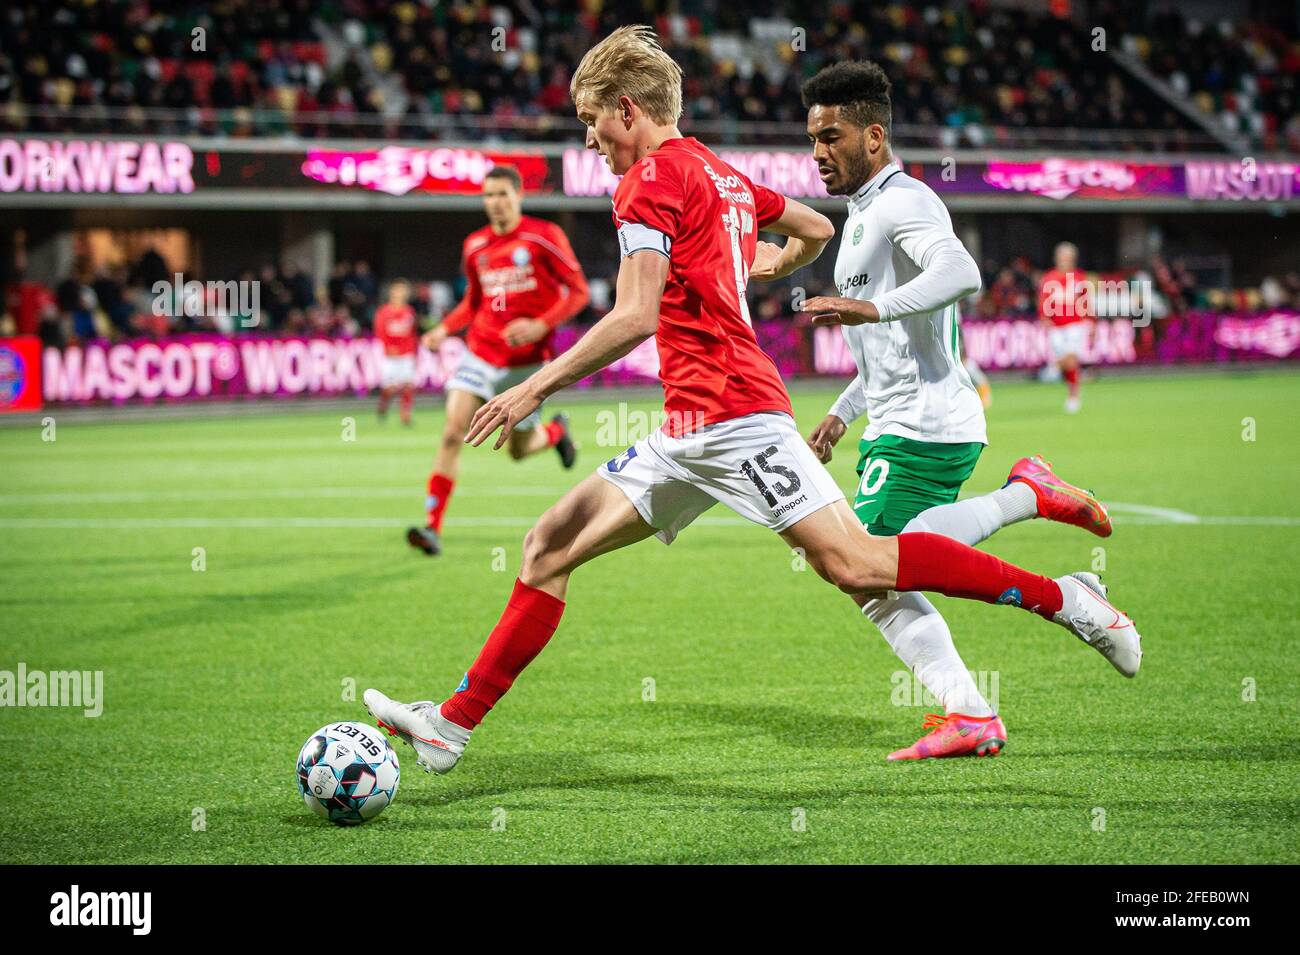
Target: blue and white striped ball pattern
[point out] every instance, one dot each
(347, 773)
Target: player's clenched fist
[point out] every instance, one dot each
(767, 261)
(825, 436)
(525, 331)
(833, 310)
(434, 337)
(504, 411)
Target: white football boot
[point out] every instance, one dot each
(438, 742)
(1086, 613)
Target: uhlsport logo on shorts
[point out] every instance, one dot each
(619, 463)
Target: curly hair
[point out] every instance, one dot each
(859, 86)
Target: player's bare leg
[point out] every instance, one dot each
(839, 548)
(406, 402)
(593, 518)
(461, 406)
(1070, 372)
(553, 434)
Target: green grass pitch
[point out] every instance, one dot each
(774, 703)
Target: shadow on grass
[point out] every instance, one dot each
(1280, 750)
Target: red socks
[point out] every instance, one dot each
(925, 562)
(440, 487)
(1072, 381)
(554, 432)
(404, 408)
(943, 565)
(529, 620)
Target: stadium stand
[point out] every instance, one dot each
(972, 76)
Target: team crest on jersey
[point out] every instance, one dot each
(857, 234)
(521, 256)
(619, 463)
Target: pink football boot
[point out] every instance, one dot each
(1059, 500)
(956, 735)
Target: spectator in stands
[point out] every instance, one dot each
(299, 286)
(361, 291)
(972, 74)
(109, 288)
(76, 301)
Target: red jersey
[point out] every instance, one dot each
(686, 204)
(28, 301)
(522, 274)
(1063, 297)
(395, 327)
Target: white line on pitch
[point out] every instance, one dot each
(127, 523)
(253, 494)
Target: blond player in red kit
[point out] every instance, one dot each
(395, 328)
(688, 227)
(523, 282)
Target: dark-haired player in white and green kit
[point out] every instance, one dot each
(900, 273)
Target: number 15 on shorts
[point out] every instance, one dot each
(761, 462)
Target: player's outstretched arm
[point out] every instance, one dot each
(848, 407)
(808, 230)
(460, 317)
(919, 226)
(632, 320)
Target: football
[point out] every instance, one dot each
(347, 773)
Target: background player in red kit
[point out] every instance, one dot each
(1064, 298)
(524, 282)
(687, 229)
(395, 327)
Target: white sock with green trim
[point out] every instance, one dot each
(978, 518)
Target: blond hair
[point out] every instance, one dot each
(630, 62)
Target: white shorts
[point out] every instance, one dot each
(487, 380)
(1069, 339)
(397, 370)
(758, 465)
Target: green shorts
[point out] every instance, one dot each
(899, 478)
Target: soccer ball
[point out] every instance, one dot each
(347, 773)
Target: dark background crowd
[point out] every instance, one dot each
(970, 74)
(120, 301)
